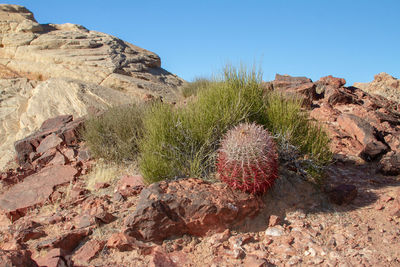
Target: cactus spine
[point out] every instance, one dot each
(247, 159)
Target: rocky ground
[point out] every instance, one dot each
(56, 210)
(51, 218)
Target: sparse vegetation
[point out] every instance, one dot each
(192, 88)
(102, 172)
(294, 129)
(175, 141)
(114, 134)
(182, 142)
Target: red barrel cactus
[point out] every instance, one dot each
(247, 159)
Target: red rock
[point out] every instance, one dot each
(23, 148)
(121, 242)
(88, 251)
(70, 154)
(219, 238)
(34, 190)
(180, 258)
(166, 209)
(105, 217)
(273, 220)
(387, 198)
(292, 80)
(70, 132)
(254, 261)
(11, 245)
(67, 242)
(130, 185)
(46, 157)
(336, 96)
(99, 186)
(58, 128)
(58, 159)
(84, 155)
(161, 259)
(84, 221)
(343, 194)
(27, 230)
(299, 86)
(332, 81)
(324, 113)
(55, 258)
(49, 142)
(363, 132)
(390, 163)
(53, 124)
(18, 258)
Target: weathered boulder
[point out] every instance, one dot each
(34, 190)
(384, 85)
(52, 133)
(188, 206)
(363, 132)
(390, 163)
(50, 70)
(299, 86)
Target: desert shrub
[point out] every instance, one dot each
(300, 139)
(181, 142)
(192, 88)
(289, 123)
(114, 134)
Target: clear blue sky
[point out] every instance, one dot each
(352, 39)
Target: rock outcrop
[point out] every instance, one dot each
(384, 85)
(48, 70)
(362, 126)
(166, 209)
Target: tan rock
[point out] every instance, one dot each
(67, 69)
(384, 85)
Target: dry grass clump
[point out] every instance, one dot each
(102, 172)
(114, 134)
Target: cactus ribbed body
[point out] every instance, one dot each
(247, 159)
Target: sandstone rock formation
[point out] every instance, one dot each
(384, 85)
(48, 70)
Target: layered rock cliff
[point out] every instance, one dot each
(49, 69)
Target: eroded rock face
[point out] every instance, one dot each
(188, 206)
(49, 70)
(384, 85)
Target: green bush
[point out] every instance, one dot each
(114, 134)
(287, 121)
(182, 142)
(192, 88)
